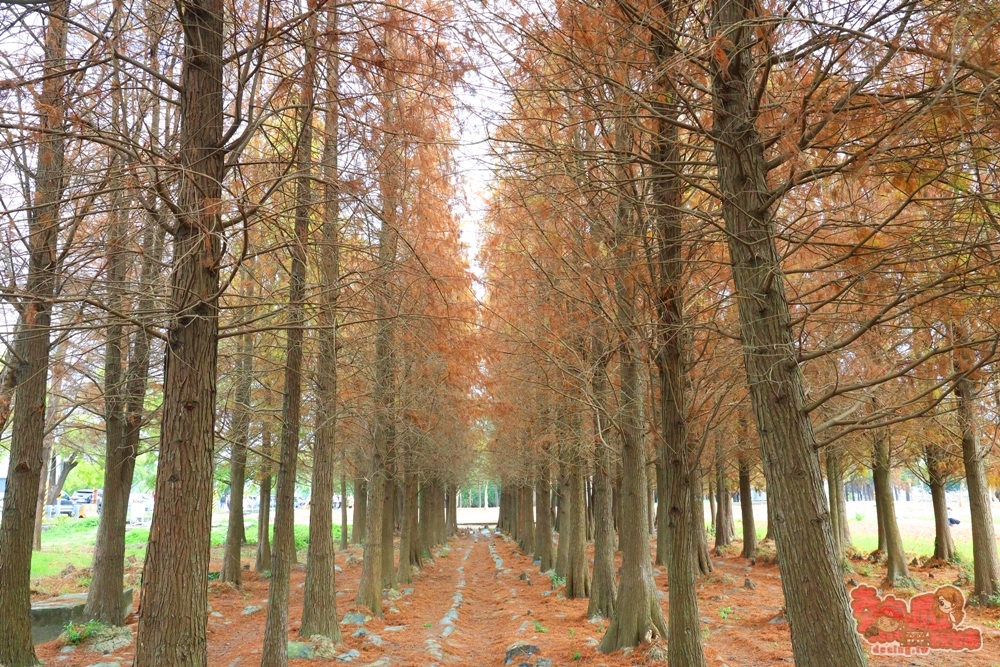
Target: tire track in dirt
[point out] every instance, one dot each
(475, 630)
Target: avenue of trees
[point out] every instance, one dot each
(808, 187)
(231, 250)
(231, 243)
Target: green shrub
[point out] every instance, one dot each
(76, 633)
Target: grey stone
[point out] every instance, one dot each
(374, 640)
(657, 653)
(106, 664)
(592, 641)
(67, 649)
(381, 662)
(407, 591)
(543, 662)
(300, 650)
(217, 614)
(354, 618)
(546, 593)
(251, 609)
(337, 568)
(361, 632)
(110, 640)
(778, 620)
(49, 617)
(448, 630)
(349, 655)
(394, 628)
(393, 594)
(519, 650)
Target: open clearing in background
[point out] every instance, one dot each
(71, 541)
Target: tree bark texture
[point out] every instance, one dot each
(822, 626)
(31, 347)
(543, 525)
(881, 469)
(986, 565)
(275, 651)
(232, 559)
(944, 546)
(746, 511)
(604, 586)
(263, 561)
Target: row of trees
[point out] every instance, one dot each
(262, 201)
(807, 186)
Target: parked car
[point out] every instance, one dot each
(64, 507)
(89, 497)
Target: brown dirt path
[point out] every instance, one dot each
(499, 606)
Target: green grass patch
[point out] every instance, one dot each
(80, 632)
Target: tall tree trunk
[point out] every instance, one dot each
(53, 410)
(677, 455)
(360, 510)
(838, 503)
(31, 348)
(986, 565)
(880, 518)
(543, 525)
(232, 559)
(578, 570)
(527, 510)
(944, 546)
(723, 536)
(453, 512)
(263, 561)
(881, 469)
(319, 611)
(36, 541)
(746, 511)
(104, 596)
(8, 383)
(604, 588)
(562, 517)
(390, 182)
(638, 610)
(172, 622)
(822, 626)
(440, 520)
(426, 522)
(702, 557)
(409, 541)
(388, 526)
(275, 651)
